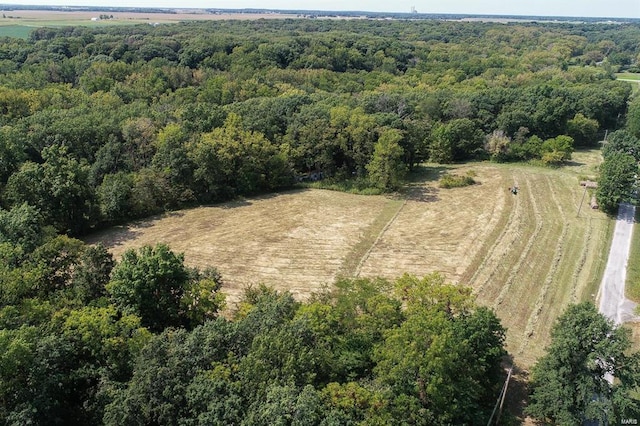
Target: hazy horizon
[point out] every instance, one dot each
(569, 8)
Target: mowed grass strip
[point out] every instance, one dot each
(359, 253)
(628, 76)
(439, 230)
(633, 267)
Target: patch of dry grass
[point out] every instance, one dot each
(296, 240)
(527, 255)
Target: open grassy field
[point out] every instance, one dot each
(19, 23)
(526, 255)
(633, 78)
(628, 76)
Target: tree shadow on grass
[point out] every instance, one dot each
(116, 235)
(423, 173)
(421, 194)
(244, 202)
(573, 163)
(416, 188)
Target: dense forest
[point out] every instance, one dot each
(101, 126)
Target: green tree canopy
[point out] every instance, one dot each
(616, 180)
(154, 284)
(386, 168)
(569, 384)
(457, 140)
(583, 130)
(58, 188)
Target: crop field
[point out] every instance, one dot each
(18, 23)
(526, 255)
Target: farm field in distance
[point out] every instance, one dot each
(18, 23)
(527, 255)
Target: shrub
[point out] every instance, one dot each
(456, 181)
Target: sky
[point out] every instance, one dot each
(582, 8)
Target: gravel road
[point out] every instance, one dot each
(611, 294)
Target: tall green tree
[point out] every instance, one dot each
(624, 142)
(230, 161)
(457, 140)
(154, 284)
(58, 188)
(442, 363)
(386, 168)
(583, 130)
(22, 226)
(633, 118)
(557, 150)
(569, 383)
(617, 178)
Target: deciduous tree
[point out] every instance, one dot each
(386, 168)
(569, 383)
(150, 283)
(616, 180)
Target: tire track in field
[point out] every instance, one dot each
(505, 239)
(586, 244)
(524, 255)
(378, 237)
(533, 320)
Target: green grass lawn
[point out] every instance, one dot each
(628, 76)
(633, 267)
(23, 31)
(16, 31)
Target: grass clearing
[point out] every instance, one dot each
(633, 78)
(528, 255)
(297, 241)
(15, 31)
(633, 266)
(628, 76)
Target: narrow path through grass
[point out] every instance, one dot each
(353, 261)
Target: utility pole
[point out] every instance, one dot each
(500, 401)
(504, 394)
(582, 201)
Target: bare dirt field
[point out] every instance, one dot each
(526, 255)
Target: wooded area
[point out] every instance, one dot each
(104, 125)
(100, 126)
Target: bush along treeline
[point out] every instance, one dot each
(618, 175)
(87, 340)
(102, 125)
